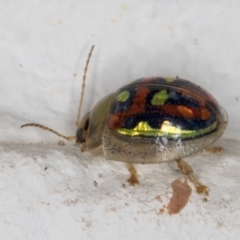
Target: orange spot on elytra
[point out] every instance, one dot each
(185, 111)
(114, 121)
(205, 114)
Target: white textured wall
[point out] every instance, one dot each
(56, 192)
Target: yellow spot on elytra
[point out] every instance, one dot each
(160, 98)
(170, 79)
(123, 96)
(143, 127)
(168, 128)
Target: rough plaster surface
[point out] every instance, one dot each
(49, 191)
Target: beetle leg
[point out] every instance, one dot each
(133, 178)
(83, 148)
(187, 170)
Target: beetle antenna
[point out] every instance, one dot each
(48, 129)
(83, 86)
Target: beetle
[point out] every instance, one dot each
(151, 120)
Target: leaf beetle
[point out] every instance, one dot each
(151, 120)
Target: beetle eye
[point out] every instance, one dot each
(82, 131)
(86, 125)
(80, 136)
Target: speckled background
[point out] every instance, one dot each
(56, 192)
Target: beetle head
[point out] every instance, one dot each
(82, 131)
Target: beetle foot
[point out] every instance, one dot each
(199, 187)
(84, 147)
(187, 170)
(133, 178)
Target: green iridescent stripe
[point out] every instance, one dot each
(146, 130)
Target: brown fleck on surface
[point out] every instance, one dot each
(181, 194)
(215, 149)
(205, 199)
(161, 210)
(61, 143)
(159, 198)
